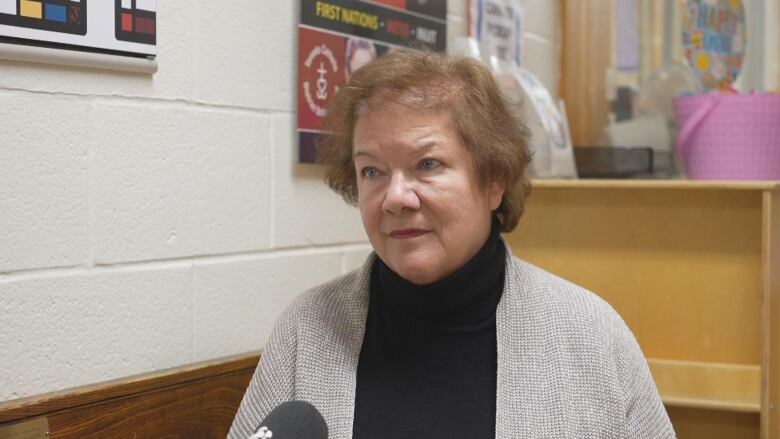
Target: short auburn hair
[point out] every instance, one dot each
(487, 123)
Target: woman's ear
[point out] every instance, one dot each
(495, 194)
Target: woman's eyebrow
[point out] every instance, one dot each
(426, 146)
(362, 153)
(417, 150)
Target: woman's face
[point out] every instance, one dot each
(423, 208)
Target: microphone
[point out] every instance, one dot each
(292, 420)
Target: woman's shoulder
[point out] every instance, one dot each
(345, 296)
(537, 284)
(563, 303)
(577, 337)
(583, 327)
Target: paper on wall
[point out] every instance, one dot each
(498, 27)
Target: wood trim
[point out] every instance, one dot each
(654, 184)
(718, 386)
(563, 63)
(693, 423)
(585, 58)
(199, 409)
(770, 258)
(68, 400)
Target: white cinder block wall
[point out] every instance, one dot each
(148, 222)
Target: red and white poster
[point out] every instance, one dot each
(337, 37)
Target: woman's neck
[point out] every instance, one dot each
(465, 297)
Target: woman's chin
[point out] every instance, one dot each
(417, 271)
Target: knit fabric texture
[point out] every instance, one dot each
(568, 366)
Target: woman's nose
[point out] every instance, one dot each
(400, 195)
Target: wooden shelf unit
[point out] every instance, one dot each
(694, 269)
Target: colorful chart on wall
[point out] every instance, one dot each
(123, 27)
(337, 37)
(714, 39)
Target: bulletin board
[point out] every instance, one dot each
(336, 37)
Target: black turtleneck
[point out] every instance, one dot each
(428, 362)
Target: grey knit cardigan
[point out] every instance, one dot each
(568, 367)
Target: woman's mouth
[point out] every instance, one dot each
(407, 233)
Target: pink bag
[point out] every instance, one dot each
(729, 136)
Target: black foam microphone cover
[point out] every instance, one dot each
(293, 420)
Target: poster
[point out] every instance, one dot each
(336, 37)
(121, 27)
(498, 27)
(714, 40)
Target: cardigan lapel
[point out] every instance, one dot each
(331, 378)
(528, 398)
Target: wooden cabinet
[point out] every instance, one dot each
(694, 270)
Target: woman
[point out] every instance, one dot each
(442, 333)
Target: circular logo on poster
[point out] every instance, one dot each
(713, 34)
(320, 78)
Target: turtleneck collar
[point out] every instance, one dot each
(466, 297)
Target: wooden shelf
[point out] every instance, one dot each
(693, 267)
(718, 386)
(654, 184)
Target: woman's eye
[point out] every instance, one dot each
(369, 172)
(429, 163)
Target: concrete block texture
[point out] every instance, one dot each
(174, 181)
(543, 18)
(62, 332)
(236, 303)
(456, 32)
(252, 61)
(196, 166)
(457, 8)
(173, 79)
(305, 211)
(457, 24)
(44, 206)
